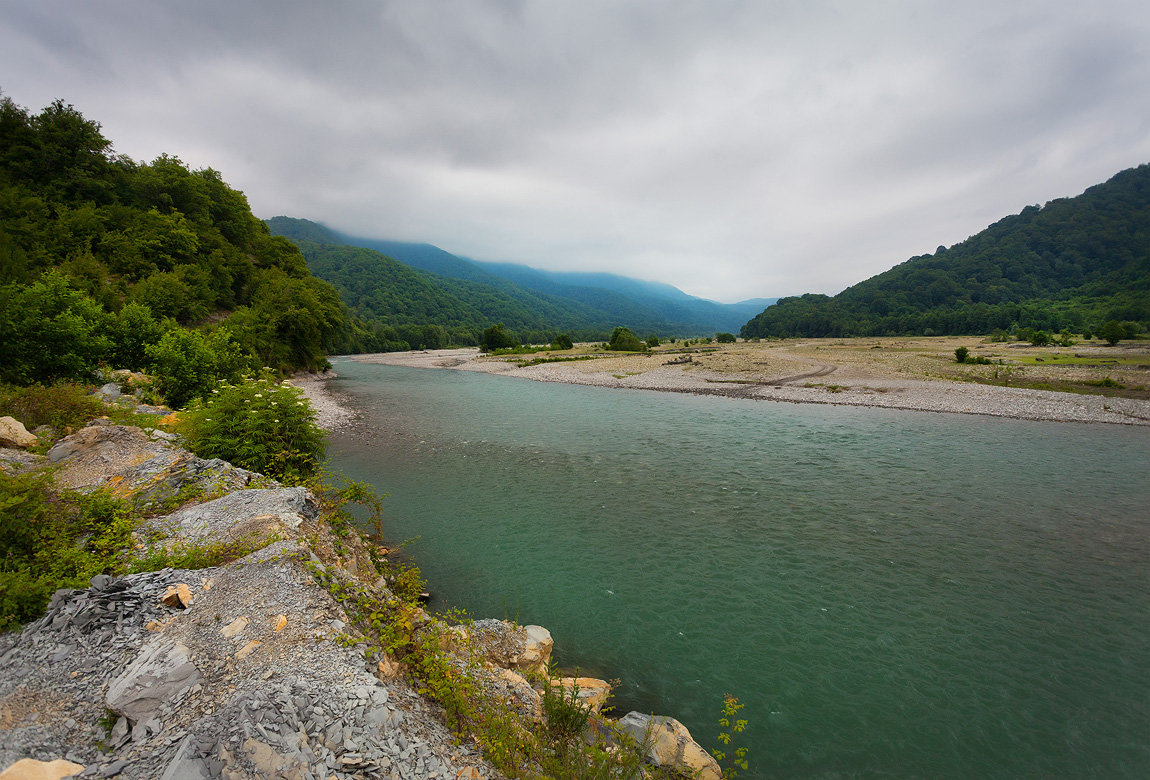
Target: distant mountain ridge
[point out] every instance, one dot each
(1073, 263)
(476, 294)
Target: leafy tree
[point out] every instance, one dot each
(623, 340)
(1112, 332)
(652, 341)
(960, 354)
(132, 331)
(562, 341)
(497, 337)
(725, 338)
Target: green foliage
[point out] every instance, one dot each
(732, 757)
(51, 540)
(564, 715)
(1071, 261)
(97, 250)
(50, 331)
(186, 364)
(960, 354)
(259, 425)
(725, 338)
(623, 340)
(1112, 332)
(132, 331)
(652, 341)
(562, 341)
(195, 556)
(497, 337)
(1038, 338)
(62, 405)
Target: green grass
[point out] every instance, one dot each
(1082, 360)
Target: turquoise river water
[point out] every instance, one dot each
(891, 594)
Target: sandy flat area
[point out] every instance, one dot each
(914, 374)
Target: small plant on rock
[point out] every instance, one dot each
(732, 759)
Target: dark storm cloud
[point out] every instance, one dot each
(734, 149)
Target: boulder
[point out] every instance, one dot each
(178, 596)
(160, 672)
(14, 461)
(14, 434)
(31, 769)
(526, 648)
(245, 514)
(125, 460)
(669, 745)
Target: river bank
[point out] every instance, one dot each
(901, 377)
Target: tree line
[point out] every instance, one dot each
(106, 261)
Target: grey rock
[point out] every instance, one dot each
(240, 513)
(114, 768)
(158, 673)
(186, 765)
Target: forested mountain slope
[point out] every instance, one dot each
(536, 304)
(1073, 263)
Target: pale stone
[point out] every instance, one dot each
(669, 745)
(31, 769)
(234, 628)
(591, 691)
(469, 773)
(388, 669)
(14, 434)
(247, 649)
(178, 596)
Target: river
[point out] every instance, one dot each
(890, 594)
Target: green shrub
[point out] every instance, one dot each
(259, 425)
(960, 354)
(725, 338)
(1112, 332)
(623, 340)
(52, 540)
(652, 341)
(62, 405)
(562, 341)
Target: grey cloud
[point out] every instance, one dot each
(735, 149)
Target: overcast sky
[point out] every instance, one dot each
(733, 149)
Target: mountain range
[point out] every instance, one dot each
(400, 283)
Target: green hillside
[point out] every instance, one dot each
(1074, 263)
(403, 285)
(105, 261)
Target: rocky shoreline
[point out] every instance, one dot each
(247, 670)
(835, 385)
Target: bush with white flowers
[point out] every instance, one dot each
(259, 424)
